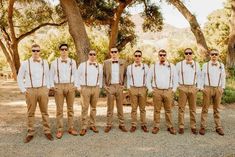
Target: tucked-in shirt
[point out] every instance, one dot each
(64, 70)
(137, 75)
(189, 74)
(36, 70)
(214, 74)
(115, 73)
(166, 77)
(92, 75)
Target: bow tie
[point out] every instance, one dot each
(63, 61)
(214, 64)
(36, 60)
(114, 62)
(92, 64)
(162, 63)
(190, 63)
(137, 65)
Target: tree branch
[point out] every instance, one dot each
(10, 19)
(22, 36)
(6, 53)
(125, 41)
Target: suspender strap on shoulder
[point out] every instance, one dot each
(208, 75)
(220, 74)
(170, 76)
(144, 75)
(30, 74)
(154, 76)
(43, 72)
(58, 72)
(133, 81)
(98, 74)
(182, 73)
(71, 70)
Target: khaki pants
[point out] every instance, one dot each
(40, 96)
(211, 95)
(187, 93)
(138, 98)
(64, 91)
(115, 92)
(89, 97)
(162, 97)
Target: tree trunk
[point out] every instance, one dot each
(231, 43)
(76, 28)
(195, 27)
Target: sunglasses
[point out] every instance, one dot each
(137, 55)
(64, 49)
(162, 55)
(35, 50)
(114, 52)
(92, 54)
(188, 53)
(214, 54)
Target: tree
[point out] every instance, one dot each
(231, 41)
(19, 20)
(195, 27)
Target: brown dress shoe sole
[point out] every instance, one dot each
(28, 139)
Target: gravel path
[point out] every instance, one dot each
(113, 144)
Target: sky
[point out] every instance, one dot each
(200, 8)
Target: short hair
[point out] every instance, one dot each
(63, 45)
(114, 49)
(138, 51)
(35, 45)
(211, 50)
(162, 51)
(188, 49)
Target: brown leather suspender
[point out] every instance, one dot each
(58, 73)
(97, 80)
(155, 75)
(133, 76)
(71, 70)
(30, 73)
(208, 75)
(195, 72)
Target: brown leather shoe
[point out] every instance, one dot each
(59, 134)
(123, 128)
(107, 129)
(155, 130)
(171, 130)
(220, 131)
(49, 136)
(194, 131)
(82, 132)
(133, 128)
(144, 128)
(73, 132)
(94, 129)
(181, 130)
(28, 138)
(202, 131)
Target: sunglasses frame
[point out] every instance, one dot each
(138, 56)
(214, 54)
(114, 52)
(188, 53)
(36, 50)
(92, 54)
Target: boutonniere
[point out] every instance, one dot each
(96, 65)
(121, 64)
(169, 66)
(143, 68)
(220, 67)
(192, 65)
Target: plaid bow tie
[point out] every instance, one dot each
(92, 64)
(214, 64)
(36, 60)
(190, 63)
(114, 62)
(137, 65)
(63, 61)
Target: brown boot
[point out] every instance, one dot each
(82, 132)
(144, 128)
(49, 136)
(73, 132)
(202, 131)
(28, 138)
(181, 131)
(172, 131)
(220, 131)
(155, 130)
(94, 129)
(194, 131)
(122, 128)
(107, 129)
(133, 128)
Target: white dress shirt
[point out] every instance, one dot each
(92, 74)
(36, 70)
(115, 73)
(138, 74)
(64, 70)
(188, 76)
(166, 76)
(214, 75)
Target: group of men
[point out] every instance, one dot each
(161, 80)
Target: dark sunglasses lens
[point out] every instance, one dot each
(35, 50)
(214, 54)
(188, 53)
(113, 51)
(137, 55)
(63, 49)
(162, 55)
(92, 54)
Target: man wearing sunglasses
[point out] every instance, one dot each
(33, 81)
(162, 82)
(114, 73)
(136, 83)
(189, 73)
(213, 81)
(62, 73)
(88, 82)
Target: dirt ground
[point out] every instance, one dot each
(113, 144)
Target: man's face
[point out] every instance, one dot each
(114, 54)
(64, 51)
(162, 56)
(188, 54)
(214, 55)
(92, 56)
(138, 57)
(36, 52)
